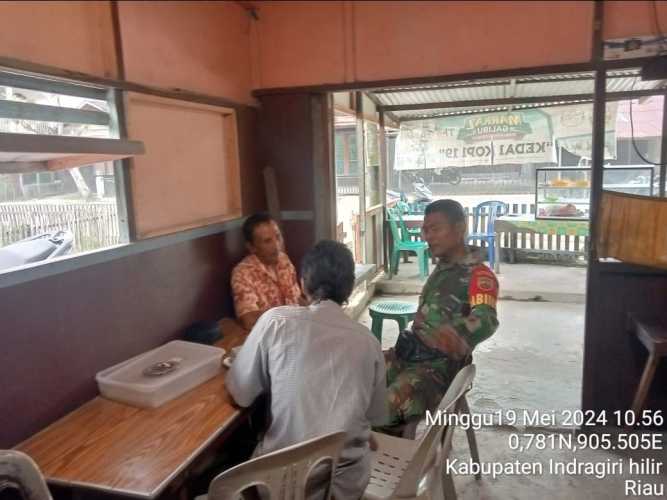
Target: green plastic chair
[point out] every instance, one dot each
(420, 248)
(407, 233)
(417, 207)
(403, 207)
(401, 312)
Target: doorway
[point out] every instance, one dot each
(530, 151)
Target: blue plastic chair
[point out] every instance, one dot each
(493, 209)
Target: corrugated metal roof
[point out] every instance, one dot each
(440, 112)
(547, 86)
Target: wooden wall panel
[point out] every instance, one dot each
(313, 43)
(98, 316)
(286, 138)
(632, 18)
(76, 36)
(299, 238)
(614, 359)
(198, 46)
(189, 175)
(422, 38)
(300, 43)
(252, 190)
(294, 129)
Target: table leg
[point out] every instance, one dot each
(645, 383)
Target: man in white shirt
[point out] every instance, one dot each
(323, 371)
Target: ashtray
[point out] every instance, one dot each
(162, 367)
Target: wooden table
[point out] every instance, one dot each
(652, 333)
(415, 220)
(131, 451)
(528, 224)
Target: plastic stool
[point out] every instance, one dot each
(401, 312)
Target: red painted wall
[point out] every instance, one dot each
(71, 35)
(306, 43)
(215, 48)
(199, 46)
(625, 19)
(311, 43)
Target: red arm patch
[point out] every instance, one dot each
(483, 288)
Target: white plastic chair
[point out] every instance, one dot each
(462, 407)
(408, 469)
(18, 470)
(284, 473)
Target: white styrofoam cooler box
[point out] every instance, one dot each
(127, 383)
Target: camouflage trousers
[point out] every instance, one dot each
(414, 387)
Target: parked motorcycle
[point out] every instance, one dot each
(37, 248)
(450, 175)
(422, 191)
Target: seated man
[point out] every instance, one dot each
(457, 310)
(266, 278)
(323, 371)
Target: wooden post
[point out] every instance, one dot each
(272, 200)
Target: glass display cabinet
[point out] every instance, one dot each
(564, 192)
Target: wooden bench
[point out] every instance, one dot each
(652, 333)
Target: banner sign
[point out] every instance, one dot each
(514, 137)
(572, 127)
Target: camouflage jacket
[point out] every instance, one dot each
(460, 296)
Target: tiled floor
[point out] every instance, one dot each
(529, 363)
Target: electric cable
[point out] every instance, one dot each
(632, 131)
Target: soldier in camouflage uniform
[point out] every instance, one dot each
(457, 311)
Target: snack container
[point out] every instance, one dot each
(160, 375)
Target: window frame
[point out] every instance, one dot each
(114, 99)
(118, 91)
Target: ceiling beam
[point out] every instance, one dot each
(486, 83)
(378, 105)
(458, 85)
(407, 118)
(614, 96)
(485, 102)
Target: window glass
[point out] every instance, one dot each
(372, 150)
(47, 214)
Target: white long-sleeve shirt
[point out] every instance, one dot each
(325, 373)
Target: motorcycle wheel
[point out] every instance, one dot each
(453, 177)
